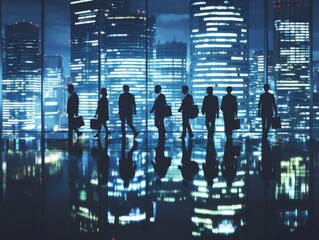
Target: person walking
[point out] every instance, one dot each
(229, 108)
(158, 107)
(72, 111)
(266, 108)
(185, 108)
(102, 112)
(127, 108)
(210, 109)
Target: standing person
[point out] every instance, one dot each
(211, 109)
(127, 108)
(266, 108)
(102, 112)
(158, 107)
(185, 108)
(72, 110)
(229, 108)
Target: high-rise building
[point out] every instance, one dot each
(170, 73)
(292, 56)
(256, 83)
(21, 85)
(219, 52)
(126, 53)
(54, 91)
(86, 16)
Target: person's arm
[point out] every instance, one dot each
(76, 105)
(274, 105)
(204, 106)
(134, 105)
(97, 109)
(236, 107)
(259, 106)
(120, 105)
(222, 107)
(217, 108)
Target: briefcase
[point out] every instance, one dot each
(78, 122)
(276, 122)
(193, 111)
(94, 123)
(236, 124)
(167, 111)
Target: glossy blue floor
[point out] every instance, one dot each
(247, 188)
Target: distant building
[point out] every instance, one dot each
(170, 73)
(54, 91)
(126, 53)
(219, 53)
(22, 84)
(292, 58)
(256, 84)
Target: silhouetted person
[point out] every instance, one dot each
(102, 112)
(158, 107)
(267, 168)
(229, 164)
(161, 163)
(211, 110)
(266, 108)
(73, 111)
(229, 108)
(127, 108)
(188, 168)
(210, 167)
(127, 166)
(185, 108)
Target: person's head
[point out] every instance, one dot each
(70, 88)
(229, 89)
(266, 87)
(103, 92)
(209, 90)
(126, 88)
(158, 89)
(185, 89)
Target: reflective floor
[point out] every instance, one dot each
(247, 188)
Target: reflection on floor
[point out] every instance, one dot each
(247, 188)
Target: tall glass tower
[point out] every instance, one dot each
(170, 73)
(292, 59)
(256, 83)
(21, 85)
(127, 48)
(219, 52)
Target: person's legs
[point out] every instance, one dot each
(184, 123)
(263, 125)
(207, 122)
(228, 126)
(212, 127)
(268, 123)
(189, 129)
(123, 126)
(130, 123)
(70, 126)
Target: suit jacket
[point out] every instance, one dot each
(186, 104)
(73, 104)
(210, 106)
(267, 104)
(103, 109)
(127, 104)
(229, 105)
(159, 105)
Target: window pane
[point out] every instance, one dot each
(21, 84)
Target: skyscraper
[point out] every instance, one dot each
(170, 73)
(256, 83)
(86, 17)
(21, 85)
(219, 52)
(54, 91)
(127, 49)
(292, 56)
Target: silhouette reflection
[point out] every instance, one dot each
(229, 164)
(210, 167)
(127, 166)
(161, 163)
(102, 160)
(267, 167)
(75, 155)
(188, 167)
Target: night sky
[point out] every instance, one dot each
(172, 18)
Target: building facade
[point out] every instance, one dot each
(219, 52)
